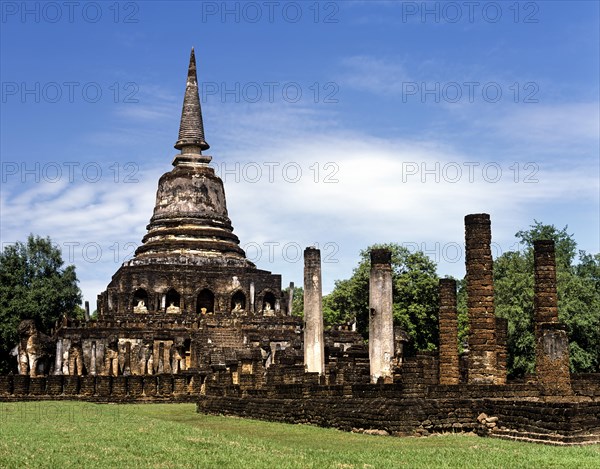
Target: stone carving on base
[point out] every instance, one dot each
(111, 358)
(32, 352)
(178, 357)
(144, 357)
(76, 359)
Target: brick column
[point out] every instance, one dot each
(480, 299)
(448, 324)
(314, 346)
(58, 364)
(290, 299)
(501, 352)
(545, 299)
(552, 343)
(381, 320)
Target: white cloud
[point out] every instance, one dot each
(568, 123)
(373, 74)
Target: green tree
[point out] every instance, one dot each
(578, 288)
(344, 301)
(579, 310)
(513, 285)
(33, 285)
(415, 295)
(330, 317)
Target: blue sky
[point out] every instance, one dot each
(340, 124)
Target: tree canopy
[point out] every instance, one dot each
(33, 285)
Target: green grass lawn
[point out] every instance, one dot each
(83, 435)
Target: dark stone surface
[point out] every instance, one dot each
(381, 256)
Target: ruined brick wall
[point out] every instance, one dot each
(351, 366)
(395, 416)
(518, 411)
(419, 371)
(166, 387)
(586, 384)
(552, 422)
(395, 409)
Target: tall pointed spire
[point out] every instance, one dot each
(191, 128)
(190, 224)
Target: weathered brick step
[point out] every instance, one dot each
(545, 438)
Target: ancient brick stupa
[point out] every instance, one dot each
(190, 261)
(189, 297)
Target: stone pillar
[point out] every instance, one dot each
(161, 358)
(381, 320)
(314, 346)
(480, 299)
(448, 323)
(552, 343)
(127, 361)
(167, 357)
(58, 359)
(290, 298)
(252, 293)
(87, 311)
(93, 359)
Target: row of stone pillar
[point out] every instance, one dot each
(381, 323)
(487, 334)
